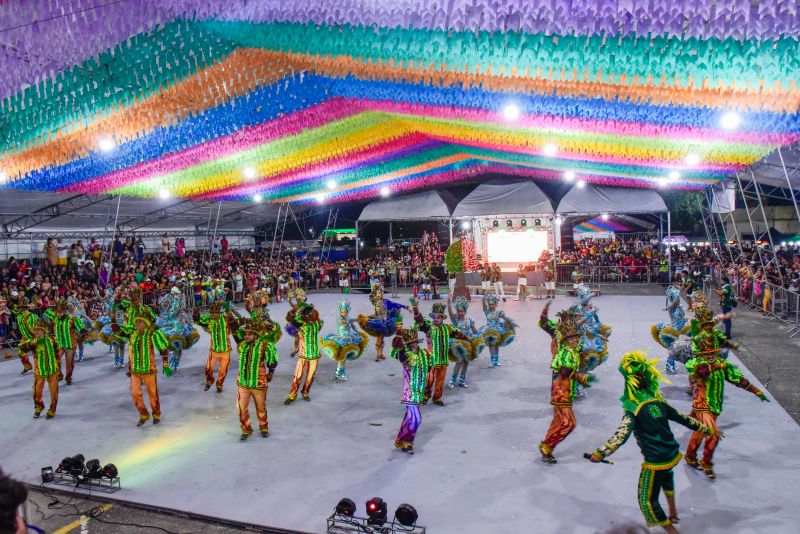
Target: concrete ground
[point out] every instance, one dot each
(476, 467)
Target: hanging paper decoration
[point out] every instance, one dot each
(404, 94)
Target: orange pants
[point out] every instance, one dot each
(710, 420)
(259, 397)
(309, 367)
(435, 382)
(38, 389)
(224, 359)
(151, 384)
(561, 426)
(69, 358)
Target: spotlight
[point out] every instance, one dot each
(692, 159)
(76, 469)
(511, 112)
(320, 199)
(730, 120)
(330, 184)
(376, 511)
(47, 474)
(250, 173)
(66, 465)
(465, 225)
(93, 469)
(581, 184)
(674, 175)
(569, 176)
(164, 194)
(110, 471)
(385, 191)
(604, 216)
(257, 198)
(495, 224)
(406, 515)
(3, 177)
(537, 223)
(559, 219)
(523, 223)
(662, 182)
(106, 144)
(346, 507)
(509, 223)
(550, 149)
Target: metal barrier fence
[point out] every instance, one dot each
(598, 275)
(773, 301)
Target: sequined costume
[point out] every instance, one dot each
(26, 320)
(67, 329)
(594, 334)
(665, 334)
(219, 327)
(175, 322)
(416, 363)
(384, 322)
(258, 358)
(463, 351)
(566, 376)
(46, 367)
(144, 341)
(709, 373)
(499, 330)
(90, 333)
(646, 415)
(439, 336)
(308, 324)
(107, 335)
(347, 344)
(294, 298)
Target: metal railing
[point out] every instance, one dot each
(598, 275)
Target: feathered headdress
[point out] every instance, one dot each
(641, 379)
(568, 324)
(491, 298)
(344, 305)
(461, 303)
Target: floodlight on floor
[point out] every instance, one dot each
(376, 511)
(346, 507)
(110, 471)
(93, 469)
(406, 515)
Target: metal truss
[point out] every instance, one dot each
(52, 211)
(327, 240)
(167, 212)
(77, 234)
(754, 208)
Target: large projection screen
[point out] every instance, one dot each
(515, 247)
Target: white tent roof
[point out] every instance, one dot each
(420, 206)
(598, 199)
(504, 197)
(37, 212)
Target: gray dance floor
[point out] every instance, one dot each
(476, 469)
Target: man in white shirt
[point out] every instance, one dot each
(61, 250)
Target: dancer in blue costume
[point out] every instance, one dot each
(594, 334)
(177, 325)
(666, 334)
(115, 342)
(463, 351)
(347, 344)
(499, 330)
(384, 322)
(89, 335)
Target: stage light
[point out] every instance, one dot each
(662, 182)
(346, 507)
(495, 224)
(164, 194)
(106, 144)
(110, 471)
(783, 243)
(604, 216)
(3, 177)
(569, 176)
(537, 223)
(47, 474)
(523, 223)
(674, 175)
(509, 223)
(66, 465)
(320, 199)
(692, 159)
(559, 219)
(730, 120)
(376, 511)
(580, 184)
(385, 191)
(550, 149)
(93, 469)
(511, 112)
(330, 184)
(250, 173)
(257, 198)
(465, 225)
(76, 469)
(406, 515)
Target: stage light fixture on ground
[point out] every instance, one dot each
(406, 515)
(346, 507)
(110, 471)
(376, 511)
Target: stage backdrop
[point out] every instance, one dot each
(510, 248)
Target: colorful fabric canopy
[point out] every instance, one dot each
(304, 102)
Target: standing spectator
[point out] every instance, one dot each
(165, 244)
(727, 303)
(52, 254)
(180, 247)
(140, 248)
(61, 251)
(224, 245)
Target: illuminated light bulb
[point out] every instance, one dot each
(257, 198)
(511, 112)
(164, 194)
(106, 144)
(250, 173)
(569, 176)
(730, 120)
(550, 149)
(581, 184)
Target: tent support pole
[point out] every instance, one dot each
(669, 243)
(390, 233)
(450, 227)
(789, 185)
(357, 243)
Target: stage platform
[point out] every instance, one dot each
(476, 469)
